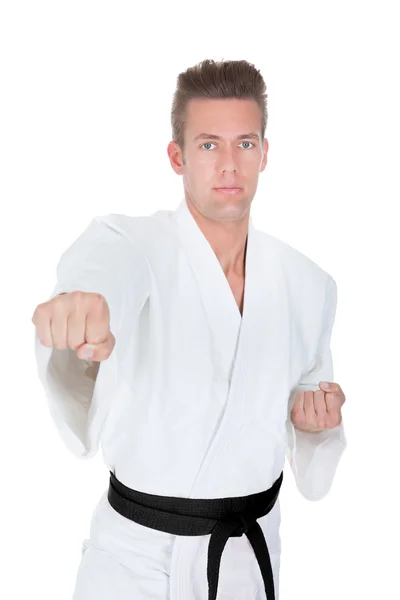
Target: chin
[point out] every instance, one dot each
(232, 211)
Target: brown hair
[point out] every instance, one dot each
(211, 79)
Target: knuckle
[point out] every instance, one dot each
(78, 299)
(95, 303)
(97, 299)
(78, 294)
(39, 312)
(57, 306)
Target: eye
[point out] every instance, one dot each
(206, 144)
(210, 143)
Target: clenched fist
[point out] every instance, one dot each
(317, 411)
(78, 320)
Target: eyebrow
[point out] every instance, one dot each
(211, 136)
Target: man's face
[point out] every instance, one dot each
(209, 163)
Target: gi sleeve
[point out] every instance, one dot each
(103, 260)
(314, 457)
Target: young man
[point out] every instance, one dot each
(211, 341)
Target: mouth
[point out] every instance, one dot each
(228, 190)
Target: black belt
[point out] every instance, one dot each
(221, 517)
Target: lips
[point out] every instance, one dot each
(226, 190)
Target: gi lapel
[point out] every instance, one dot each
(220, 306)
(255, 406)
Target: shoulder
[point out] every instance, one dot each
(298, 268)
(138, 230)
(310, 290)
(152, 238)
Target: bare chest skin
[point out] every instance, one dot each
(237, 286)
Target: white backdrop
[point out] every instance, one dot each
(85, 122)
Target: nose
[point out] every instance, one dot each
(227, 161)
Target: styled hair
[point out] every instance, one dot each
(214, 80)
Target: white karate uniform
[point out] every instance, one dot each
(194, 400)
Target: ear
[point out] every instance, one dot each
(175, 157)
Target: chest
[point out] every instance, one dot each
(236, 285)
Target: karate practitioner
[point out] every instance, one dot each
(211, 343)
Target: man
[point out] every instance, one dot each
(211, 343)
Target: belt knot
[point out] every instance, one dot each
(244, 523)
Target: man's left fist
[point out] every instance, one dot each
(317, 411)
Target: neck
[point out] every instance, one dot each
(227, 239)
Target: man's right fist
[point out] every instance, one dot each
(78, 320)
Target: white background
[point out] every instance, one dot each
(85, 122)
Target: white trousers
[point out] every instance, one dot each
(126, 561)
